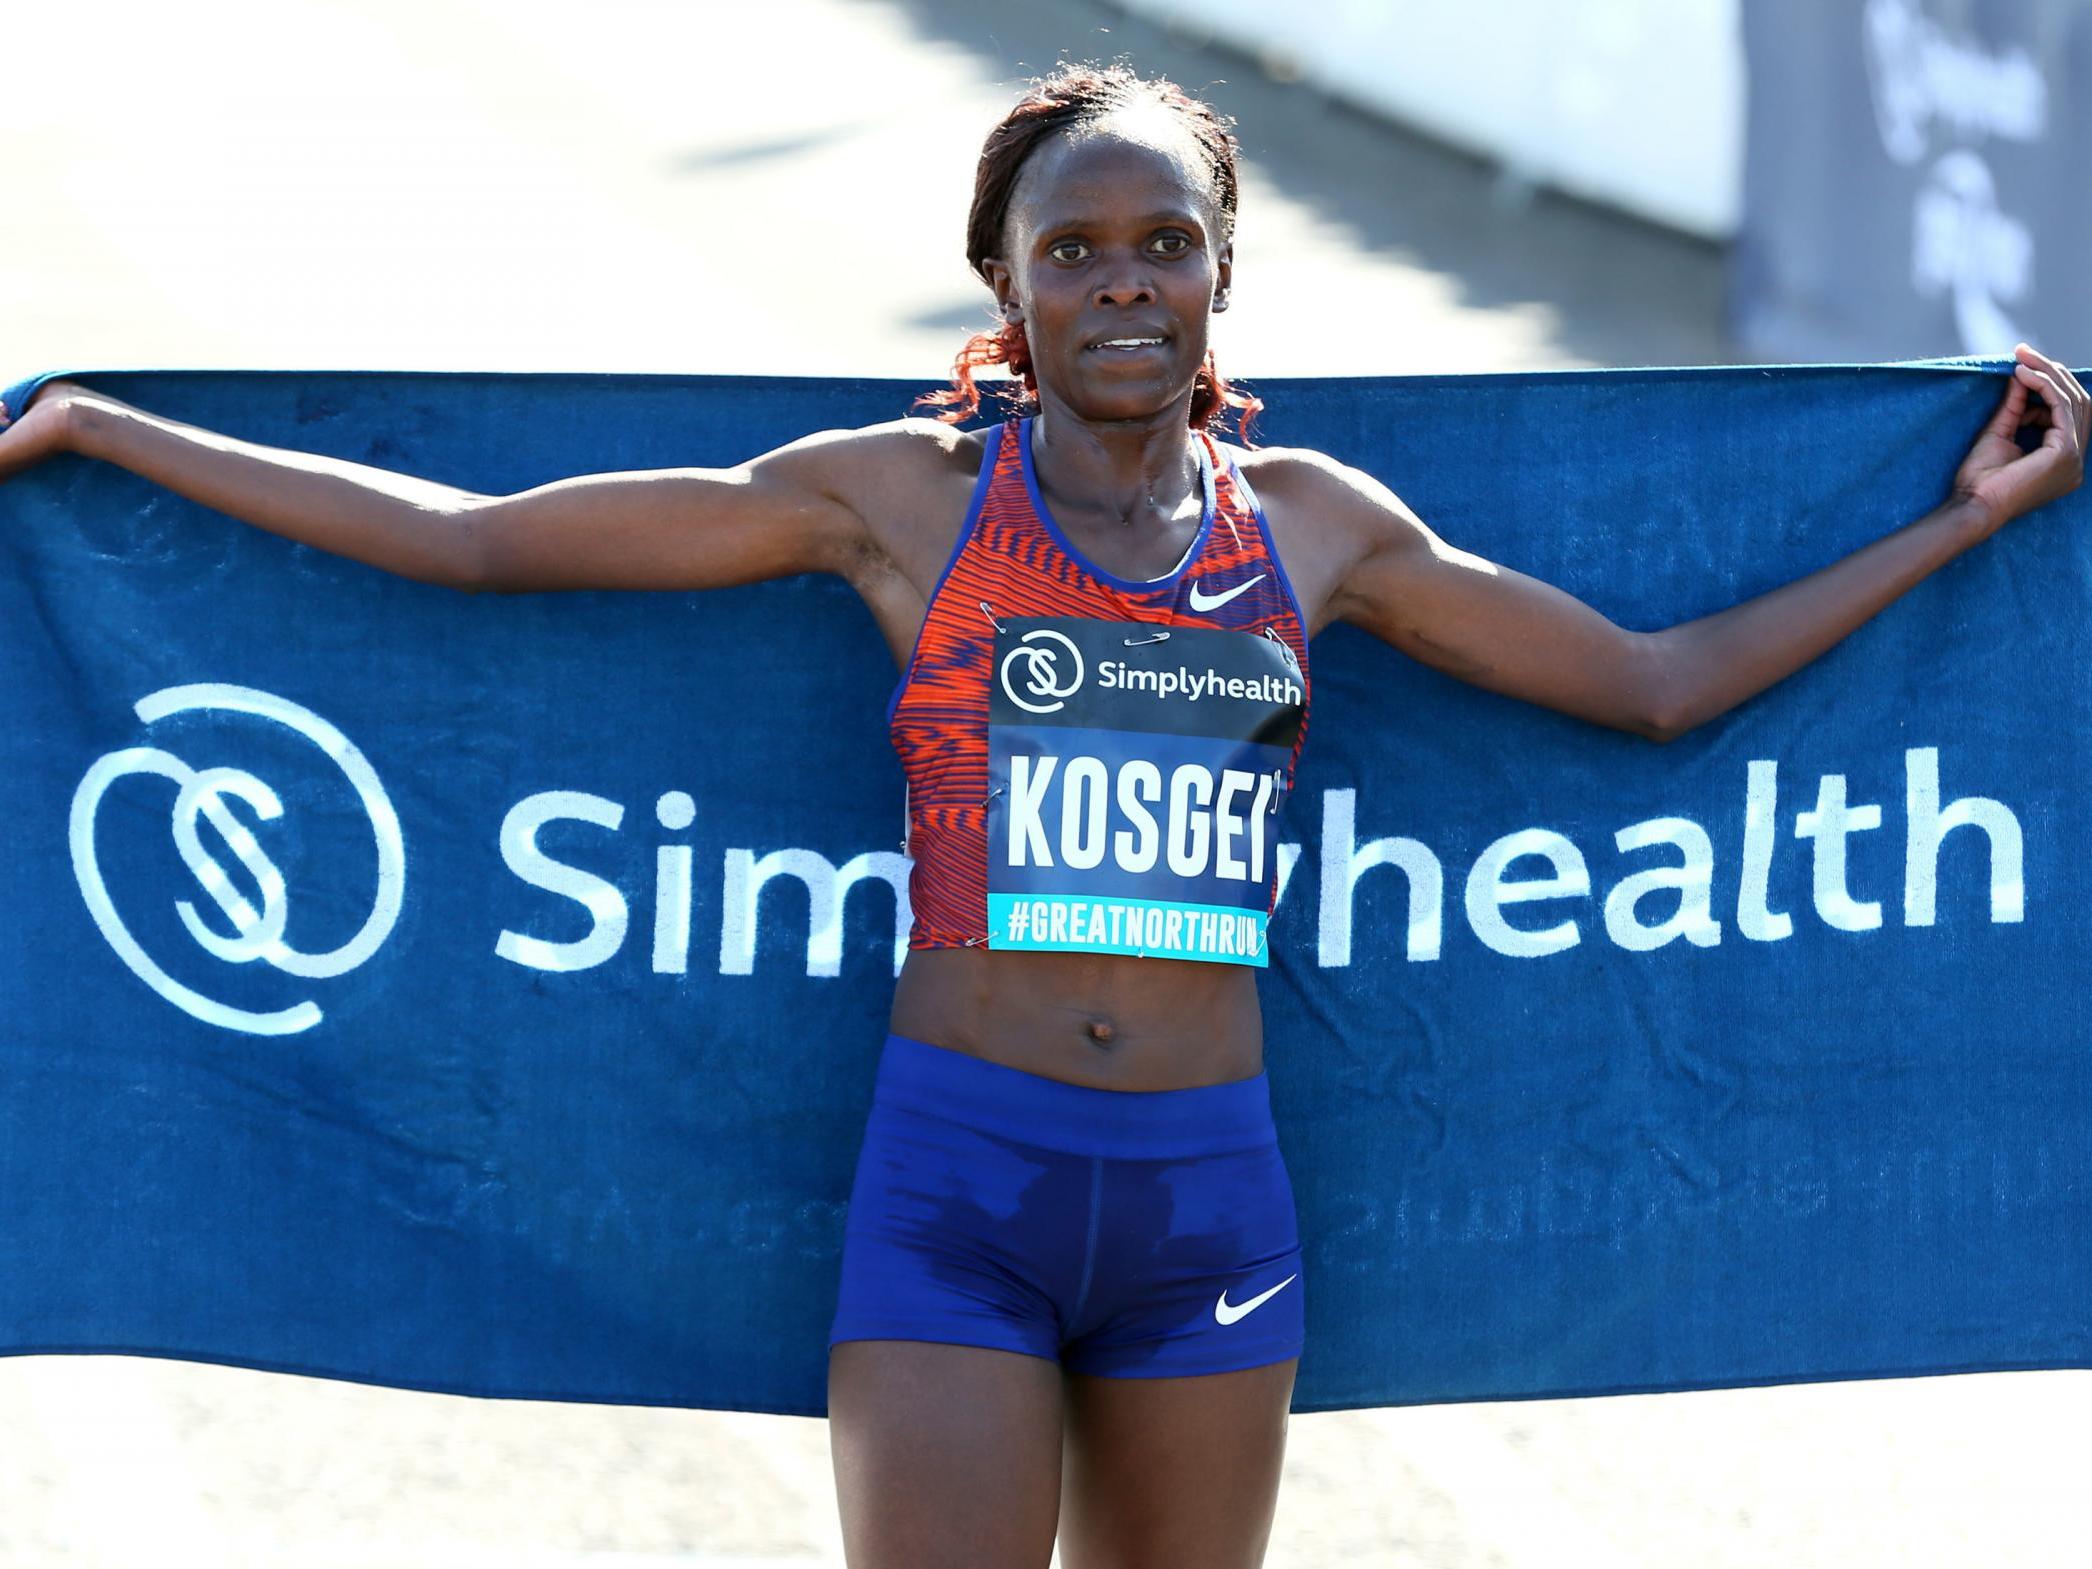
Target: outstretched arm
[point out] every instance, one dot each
(1514, 634)
(786, 512)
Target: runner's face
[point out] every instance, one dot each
(1113, 234)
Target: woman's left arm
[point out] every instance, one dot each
(1513, 634)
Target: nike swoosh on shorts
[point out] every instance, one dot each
(1227, 1312)
(1201, 600)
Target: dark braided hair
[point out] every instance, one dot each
(1076, 95)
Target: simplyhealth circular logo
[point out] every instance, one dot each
(1041, 672)
(258, 933)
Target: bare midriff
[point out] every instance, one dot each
(1112, 1022)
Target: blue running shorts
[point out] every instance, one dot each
(1130, 1234)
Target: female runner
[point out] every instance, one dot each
(1071, 1291)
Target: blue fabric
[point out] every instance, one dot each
(1123, 1234)
(14, 400)
(524, 1120)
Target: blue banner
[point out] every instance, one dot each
(482, 993)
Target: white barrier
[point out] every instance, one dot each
(1636, 103)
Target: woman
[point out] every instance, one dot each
(1071, 1290)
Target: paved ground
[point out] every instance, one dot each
(469, 183)
(513, 184)
(123, 1462)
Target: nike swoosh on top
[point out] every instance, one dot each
(1201, 600)
(1227, 1312)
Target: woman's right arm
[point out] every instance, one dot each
(777, 515)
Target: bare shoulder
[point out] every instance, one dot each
(893, 470)
(907, 481)
(1303, 479)
(921, 448)
(1325, 517)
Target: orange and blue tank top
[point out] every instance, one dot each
(1094, 763)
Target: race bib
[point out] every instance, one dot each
(1135, 774)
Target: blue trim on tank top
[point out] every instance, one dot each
(1125, 585)
(991, 451)
(1256, 510)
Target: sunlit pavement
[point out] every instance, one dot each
(641, 186)
(121, 1461)
(461, 184)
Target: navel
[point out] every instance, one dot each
(1100, 1032)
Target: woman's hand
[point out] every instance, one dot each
(1997, 478)
(27, 439)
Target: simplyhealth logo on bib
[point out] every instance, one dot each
(1135, 772)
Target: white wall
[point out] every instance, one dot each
(1637, 103)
